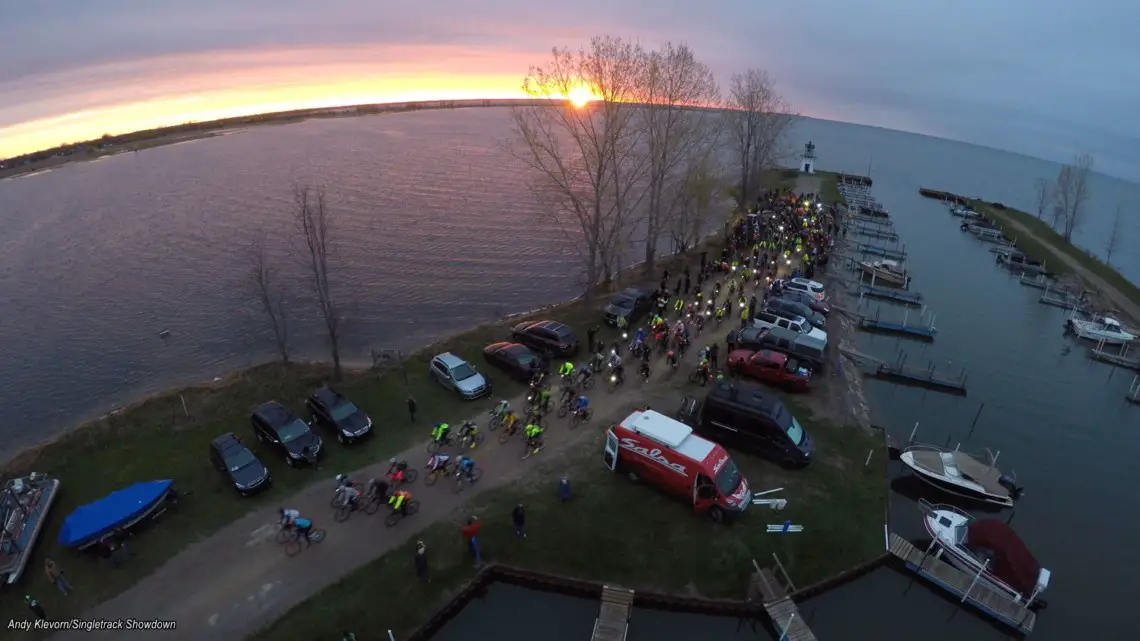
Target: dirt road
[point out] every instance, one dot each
(239, 579)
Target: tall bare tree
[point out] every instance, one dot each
(681, 128)
(1113, 242)
(272, 301)
(1043, 192)
(312, 217)
(701, 191)
(757, 122)
(1072, 193)
(583, 159)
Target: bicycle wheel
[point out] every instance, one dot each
(588, 383)
(476, 474)
(293, 547)
(494, 423)
(563, 410)
(433, 446)
(410, 476)
(413, 507)
(463, 444)
(460, 481)
(575, 419)
(284, 536)
(432, 477)
(392, 519)
(506, 435)
(342, 513)
(478, 440)
(316, 535)
(372, 505)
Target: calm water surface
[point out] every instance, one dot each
(437, 232)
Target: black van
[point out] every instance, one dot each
(749, 418)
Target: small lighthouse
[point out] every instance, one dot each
(807, 158)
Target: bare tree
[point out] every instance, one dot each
(1044, 193)
(1113, 240)
(312, 218)
(272, 301)
(583, 159)
(1072, 192)
(702, 189)
(681, 127)
(758, 119)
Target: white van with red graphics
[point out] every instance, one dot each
(661, 451)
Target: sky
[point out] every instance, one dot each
(1047, 78)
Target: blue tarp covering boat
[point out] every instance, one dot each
(120, 509)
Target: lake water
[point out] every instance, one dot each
(438, 232)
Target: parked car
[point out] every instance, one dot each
(331, 409)
(517, 360)
(813, 286)
(787, 308)
(454, 373)
(546, 336)
(238, 464)
(279, 428)
(750, 418)
(632, 304)
(795, 286)
(804, 348)
(808, 299)
(771, 367)
(797, 324)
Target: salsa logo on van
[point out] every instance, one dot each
(720, 464)
(653, 454)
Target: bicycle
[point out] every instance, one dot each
(470, 440)
(435, 444)
(533, 446)
(496, 420)
(466, 478)
(580, 416)
(410, 475)
(565, 406)
(345, 510)
(410, 508)
(435, 474)
(372, 503)
(293, 542)
(509, 431)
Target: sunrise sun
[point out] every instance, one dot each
(580, 96)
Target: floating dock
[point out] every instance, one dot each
(885, 252)
(1040, 281)
(1120, 360)
(988, 235)
(1064, 300)
(900, 373)
(785, 615)
(918, 332)
(871, 232)
(901, 296)
(963, 586)
(612, 623)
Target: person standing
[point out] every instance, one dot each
(471, 533)
(55, 575)
(591, 336)
(564, 492)
(714, 351)
(412, 409)
(421, 561)
(518, 515)
(35, 607)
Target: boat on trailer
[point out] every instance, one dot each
(988, 550)
(24, 506)
(961, 474)
(117, 513)
(1104, 329)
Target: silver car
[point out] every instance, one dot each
(454, 373)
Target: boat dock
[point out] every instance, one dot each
(885, 252)
(902, 328)
(988, 235)
(901, 296)
(1133, 395)
(1062, 299)
(871, 232)
(899, 372)
(612, 623)
(783, 611)
(1121, 359)
(1040, 281)
(962, 585)
(24, 507)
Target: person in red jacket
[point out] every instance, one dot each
(471, 533)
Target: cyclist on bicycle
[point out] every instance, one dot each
(289, 516)
(509, 420)
(584, 374)
(399, 501)
(502, 409)
(467, 467)
(533, 434)
(437, 462)
(566, 370)
(396, 470)
(468, 430)
(544, 400)
(671, 358)
(304, 529)
(567, 394)
(643, 371)
(615, 363)
(622, 323)
(376, 488)
(537, 380)
(582, 405)
(350, 496)
(439, 432)
(342, 480)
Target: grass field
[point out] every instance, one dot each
(1055, 242)
(624, 533)
(829, 187)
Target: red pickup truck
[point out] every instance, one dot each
(773, 368)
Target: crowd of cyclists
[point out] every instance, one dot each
(782, 227)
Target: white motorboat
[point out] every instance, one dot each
(1105, 330)
(961, 474)
(885, 271)
(988, 550)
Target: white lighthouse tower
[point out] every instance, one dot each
(807, 158)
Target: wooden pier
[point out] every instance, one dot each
(902, 328)
(988, 235)
(898, 372)
(1062, 299)
(871, 232)
(885, 252)
(900, 296)
(612, 623)
(964, 586)
(1121, 359)
(785, 615)
(1040, 281)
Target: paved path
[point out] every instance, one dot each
(239, 579)
(1118, 298)
(808, 183)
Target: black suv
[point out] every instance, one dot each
(788, 308)
(632, 304)
(282, 430)
(750, 418)
(331, 409)
(546, 336)
(238, 464)
(780, 340)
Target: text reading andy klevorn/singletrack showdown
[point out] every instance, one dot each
(89, 625)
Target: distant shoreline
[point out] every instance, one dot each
(147, 139)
